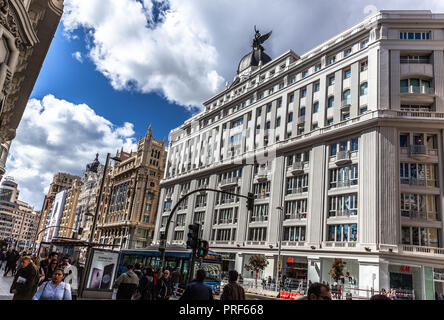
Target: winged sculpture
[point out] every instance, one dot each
(259, 39)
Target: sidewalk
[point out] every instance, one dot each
(5, 285)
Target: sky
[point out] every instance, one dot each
(116, 66)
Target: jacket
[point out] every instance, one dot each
(163, 288)
(233, 291)
(126, 285)
(197, 291)
(175, 277)
(146, 288)
(25, 283)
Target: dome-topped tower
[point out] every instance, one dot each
(257, 57)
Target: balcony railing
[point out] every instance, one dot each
(262, 175)
(301, 120)
(346, 103)
(421, 215)
(343, 213)
(297, 215)
(297, 167)
(293, 243)
(415, 61)
(418, 90)
(417, 149)
(334, 244)
(297, 190)
(228, 182)
(343, 183)
(420, 182)
(431, 251)
(342, 157)
(258, 218)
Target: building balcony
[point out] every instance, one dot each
(419, 67)
(343, 183)
(297, 167)
(262, 175)
(417, 90)
(297, 190)
(421, 152)
(345, 105)
(420, 182)
(342, 157)
(295, 216)
(343, 213)
(293, 243)
(334, 244)
(228, 182)
(420, 215)
(426, 251)
(300, 120)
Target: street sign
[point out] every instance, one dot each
(280, 266)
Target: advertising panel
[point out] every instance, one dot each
(102, 270)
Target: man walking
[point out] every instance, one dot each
(233, 291)
(70, 276)
(175, 278)
(25, 281)
(197, 290)
(163, 286)
(11, 262)
(126, 284)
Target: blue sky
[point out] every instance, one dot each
(153, 61)
(67, 78)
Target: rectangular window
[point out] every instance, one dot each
(364, 65)
(304, 73)
(261, 190)
(347, 52)
(260, 213)
(331, 80)
(257, 234)
(331, 59)
(303, 93)
(293, 79)
(317, 87)
(295, 233)
(315, 107)
(317, 67)
(296, 209)
(347, 73)
(297, 184)
(364, 43)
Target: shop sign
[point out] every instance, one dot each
(290, 260)
(404, 269)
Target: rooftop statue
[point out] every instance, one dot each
(259, 39)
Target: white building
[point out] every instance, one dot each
(55, 216)
(347, 139)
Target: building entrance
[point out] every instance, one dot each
(403, 284)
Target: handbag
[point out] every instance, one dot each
(136, 295)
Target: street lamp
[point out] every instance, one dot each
(281, 210)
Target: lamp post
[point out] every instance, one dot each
(278, 273)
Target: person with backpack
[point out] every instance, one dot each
(146, 287)
(25, 281)
(126, 284)
(164, 287)
(55, 289)
(197, 290)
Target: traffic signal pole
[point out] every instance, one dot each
(164, 236)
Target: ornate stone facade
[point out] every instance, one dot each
(27, 28)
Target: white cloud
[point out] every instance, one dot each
(58, 136)
(78, 56)
(188, 51)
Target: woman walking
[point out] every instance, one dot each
(147, 285)
(55, 289)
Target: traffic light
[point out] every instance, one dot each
(202, 251)
(250, 201)
(193, 236)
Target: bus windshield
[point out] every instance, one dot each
(213, 271)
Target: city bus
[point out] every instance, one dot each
(175, 257)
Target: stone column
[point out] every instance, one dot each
(395, 80)
(211, 200)
(438, 80)
(338, 97)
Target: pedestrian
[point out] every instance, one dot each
(45, 263)
(175, 278)
(2, 258)
(233, 291)
(70, 276)
(11, 262)
(55, 289)
(126, 284)
(25, 281)
(318, 291)
(264, 283)
(146, 286)
(36, 261)
(197, 290)
(138, 270)
(53, 266)
(164, 287)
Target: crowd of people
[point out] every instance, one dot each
(49, 279)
